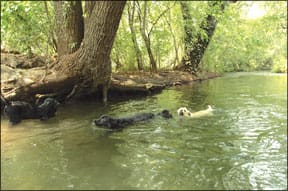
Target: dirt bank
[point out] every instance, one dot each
(20, 71)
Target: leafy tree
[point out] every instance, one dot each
(196, 44)
(158, 35)
(89, 68)
(26, 28)
(242, 44)
(123, 54)
(131, 17)
(238, 43)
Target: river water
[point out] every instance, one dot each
(242, 146)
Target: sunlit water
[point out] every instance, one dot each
(243, 146)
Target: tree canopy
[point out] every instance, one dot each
(239, 43)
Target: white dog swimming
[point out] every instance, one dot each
(183, 111)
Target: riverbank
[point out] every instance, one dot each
(20, 71)
(150, 82)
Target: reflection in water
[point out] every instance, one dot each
(243, 146)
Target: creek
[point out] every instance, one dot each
(242, 146)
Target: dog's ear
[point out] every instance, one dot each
(180, 110)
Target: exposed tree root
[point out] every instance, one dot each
(29, 84)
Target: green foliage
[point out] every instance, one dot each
(123, 51)
(161, 37)
(241, 44)
(238, 44)
(198, 11)
(24, 26)
(280, 65)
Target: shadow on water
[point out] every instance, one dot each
(242, 146)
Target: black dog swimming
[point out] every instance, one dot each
(119, 123)
(18, 110)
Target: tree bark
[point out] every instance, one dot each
(91, 62)
(88, 8)
(194, 51)
(89, 5)
(70, 26)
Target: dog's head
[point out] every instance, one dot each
(49, 103)
(106, 121)
(103, 120)
(166, 114)
(14, 113)
(48, 108)
(183, 111)
(18, 110)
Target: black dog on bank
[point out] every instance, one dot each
(18, 110)
(119, 123)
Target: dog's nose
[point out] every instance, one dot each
(181, 113)
(95, 122)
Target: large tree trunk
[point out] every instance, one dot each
(83, 71)
(89, 5)
(91, 62)
(131, 12)
(194, 51)
(70, 26)
(88, 8)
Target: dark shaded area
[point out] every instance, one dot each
(19, 110)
